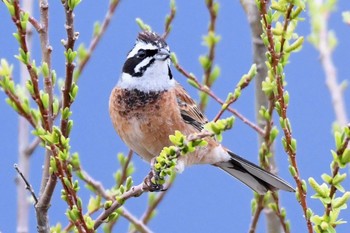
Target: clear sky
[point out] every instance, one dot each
(203, 199)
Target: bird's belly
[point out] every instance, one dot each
(145, 136)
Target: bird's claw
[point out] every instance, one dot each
(151, 186)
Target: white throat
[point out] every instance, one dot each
(155, 78)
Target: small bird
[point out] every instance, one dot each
(147, 105)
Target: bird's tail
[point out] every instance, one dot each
(253, 176)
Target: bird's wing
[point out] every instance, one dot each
(188, 109)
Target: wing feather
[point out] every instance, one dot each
(189, 111)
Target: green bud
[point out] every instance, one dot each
(10, 7)
(79, 203)
(45, 70)
(108, 204)
(193, 83)
(73, 92)
(67, 182)
(70, 54)
(45, 99)
(71, 216)
(345, 158)
(296, 12)
(278, 7)
(142, 25)
(324, 225)
(338, 140)
(318, 188)
(174, 58)
(295, 46)
(66, 113)
(129, 183)
(273, 133)
(76, 185)
(53, 165)
(215, 73)
(309, 213)
(205, 62)
(340, 201)
(73, 3)
(338, 178)
(292, 170)
(97, 29)
(327, 178)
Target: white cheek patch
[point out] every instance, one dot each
(154, 79)
(141, 45)
(145, 62)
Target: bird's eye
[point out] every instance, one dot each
(141, 54)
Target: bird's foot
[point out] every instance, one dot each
(151, 181)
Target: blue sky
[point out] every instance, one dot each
(203, 199)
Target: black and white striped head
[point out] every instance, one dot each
(147, 67)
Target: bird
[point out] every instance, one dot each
(147, 105)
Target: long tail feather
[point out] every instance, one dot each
(253, 176)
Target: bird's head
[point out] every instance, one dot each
(147, 66)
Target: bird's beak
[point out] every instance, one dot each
(162, 55)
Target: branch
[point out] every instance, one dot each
(277, 61)
(28, 186)
(32, 146)
(23, 138)
(169, 19)
(210, 40)
(25, 59)
(266, 142)
(134, 191)
(325, 46)
(125, 168)
(146, 217)
(139, 225)
(194, 82)
(257, 212)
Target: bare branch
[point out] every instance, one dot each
(139, 225)
(23, 137)
(32, 146)
(28, 186)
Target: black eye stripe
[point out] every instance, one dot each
(132, 62)
(143, 69)
(143, 53)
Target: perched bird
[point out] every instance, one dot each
(147, 105)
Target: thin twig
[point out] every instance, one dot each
(256, 216)
(28, 186)
(139, 225)
(169, 19)
(146, 217)
(125, 168)
(212, 47)
(134, 191)
(32, 146)
(205, 89)
(335, 171)
(233, 99)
